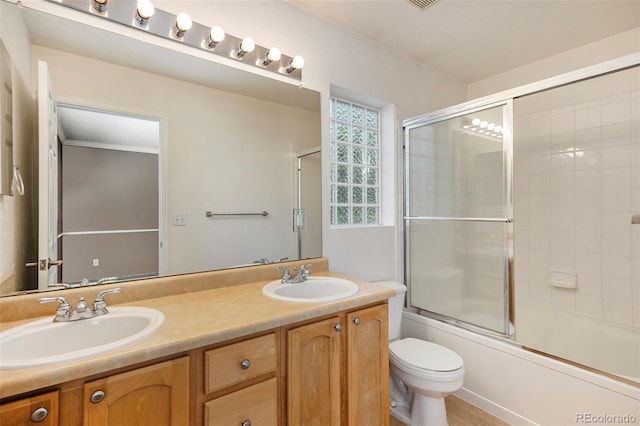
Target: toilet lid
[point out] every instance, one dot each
(418, 353)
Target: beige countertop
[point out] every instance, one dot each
(191, 320)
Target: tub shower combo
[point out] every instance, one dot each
(519, 216)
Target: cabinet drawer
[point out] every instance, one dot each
(256, 405)
(238, 362)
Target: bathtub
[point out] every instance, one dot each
(605, 346)
(520, 386)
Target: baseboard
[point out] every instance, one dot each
(493, 408)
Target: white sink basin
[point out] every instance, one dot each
(43, 342)
(314, 289)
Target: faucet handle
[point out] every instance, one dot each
(64, 308)
(286, 275)
(99, 305)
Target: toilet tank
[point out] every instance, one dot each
(396, 305)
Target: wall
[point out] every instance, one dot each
(17, 214)
(334, 56)
(108, 190)
(626, 43)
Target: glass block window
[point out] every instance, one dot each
(355, 164)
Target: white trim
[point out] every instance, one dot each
(115, 231)
(100, 145)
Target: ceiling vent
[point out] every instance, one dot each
(423, 4)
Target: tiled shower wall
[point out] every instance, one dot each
(576, 184)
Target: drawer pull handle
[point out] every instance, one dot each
(39, 414)
(337, 327)
(246, 423)
(97, 397)
(244, 365)
(356, 321)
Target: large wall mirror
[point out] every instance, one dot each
(160, 161)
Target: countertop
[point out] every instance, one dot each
(191, 320)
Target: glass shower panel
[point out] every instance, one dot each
(458, 210)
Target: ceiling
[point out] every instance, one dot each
(475, 39)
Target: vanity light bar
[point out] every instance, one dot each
(166, 25)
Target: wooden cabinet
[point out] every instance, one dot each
(314, 370)
(154, 395)
(37, 410)
(330, 371)
(368, 366)
(338, 370)
(240, 383)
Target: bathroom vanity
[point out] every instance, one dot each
(223, 356)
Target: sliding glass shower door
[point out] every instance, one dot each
(458, 210)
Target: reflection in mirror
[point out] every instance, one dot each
(109, 193)
(229, 141)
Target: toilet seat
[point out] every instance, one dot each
(424, 357)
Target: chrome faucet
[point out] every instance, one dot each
(64, 312)
(301, 276)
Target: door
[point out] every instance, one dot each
(314, 374)
(458, 216)
(308, 215)
(368, 366)
(48, 262)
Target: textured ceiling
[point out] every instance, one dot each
(475, 39)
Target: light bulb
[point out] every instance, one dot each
(483, 124)
(217, 34)
(247, 45)
(296, 63)
(272, 55)
(498, 129)
(183, 24)
(476, 121)
(144, 11)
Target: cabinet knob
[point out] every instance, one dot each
(356, 321)
(39, 414)
(245, 423)
(337, 327)
(97, 397)
(244, 365)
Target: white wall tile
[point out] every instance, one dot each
(563, 299)
(590, 180)
(561, 221)
(590, 284)
(616, 223)
(588, 242)
(588, 118)
(540, 295)
(563, 241)
(588, 159)
(616, 201)
(617, 311)
(616, 134)
(589, 263)
(562, 162)
(617, 178)
(590, 306)
(616, 111)
(616, 156)
(561, 202)
(588, 222)
(562, 182)
(588, 201)
(616, 244)
(564, 121)
(539, 202)
(588, 139)
(616, 267)
(561, 260)
(617, 289)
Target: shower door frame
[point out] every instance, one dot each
(602, 68)
(507, 158)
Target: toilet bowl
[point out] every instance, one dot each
(422, 373)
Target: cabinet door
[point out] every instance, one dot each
(313, 367)
(150, 396)
(368, 367)
(38, 410)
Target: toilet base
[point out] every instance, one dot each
(428, 411)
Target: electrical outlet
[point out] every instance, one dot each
(179, 219)
(96, 262)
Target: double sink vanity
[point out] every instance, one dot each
(229, 347)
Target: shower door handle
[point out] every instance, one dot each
(635, 219)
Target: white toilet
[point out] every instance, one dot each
(422, 373)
